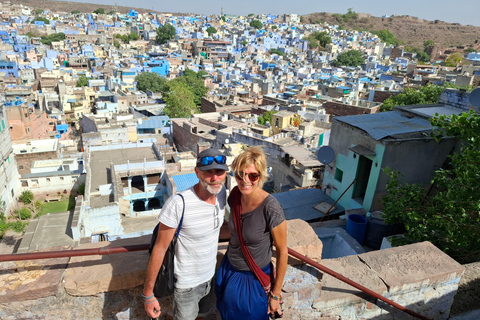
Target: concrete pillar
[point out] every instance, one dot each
(146, 204)
(144, 182)
(130, 185)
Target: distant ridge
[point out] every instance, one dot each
(68, 6)
(409, 30)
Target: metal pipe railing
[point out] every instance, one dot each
(141, 247)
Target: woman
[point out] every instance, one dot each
(240, 294)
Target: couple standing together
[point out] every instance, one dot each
(260, 217)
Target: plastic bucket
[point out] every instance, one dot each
(356, 227)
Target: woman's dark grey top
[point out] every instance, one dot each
(257, 225)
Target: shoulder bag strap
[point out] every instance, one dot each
(181, 220)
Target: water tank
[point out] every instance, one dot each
(308, 174)
(377, 229)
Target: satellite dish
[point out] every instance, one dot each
(227, 141)
(325, 154)
(474, 97)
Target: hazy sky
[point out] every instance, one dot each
(461, 11)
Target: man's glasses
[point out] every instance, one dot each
(209, 160)
(251, 176)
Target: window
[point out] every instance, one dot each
(48, 179)
(338, 175)
(24, 183)
(61, 178)
(20, 167)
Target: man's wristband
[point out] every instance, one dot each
(146, 298)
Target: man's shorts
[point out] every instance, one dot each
(193, 302)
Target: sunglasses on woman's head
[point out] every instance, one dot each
(251, 176)
(209, 160)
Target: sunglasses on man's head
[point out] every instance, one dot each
(209, 160)
(251, 176)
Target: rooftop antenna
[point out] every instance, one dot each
(326, 155)
(474, 98)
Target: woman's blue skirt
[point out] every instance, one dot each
(240, 296)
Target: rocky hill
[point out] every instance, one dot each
(409, 30)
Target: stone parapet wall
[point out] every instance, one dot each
(418, 276)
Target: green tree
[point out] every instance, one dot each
(165, 33)
(274, 27)
(453, 59)
(75, 12)
(82, 81)
(38, 11)
(223, 18)
(26, 196)
(244, 42)
(312, 43)
(53, 37)
(386, 36)
(423, 57)
(116, 44)
(251, 15)
(257, 24)
(41, 19)
(194, 83)
(211, 30)
(351, 58)
(99, 11)
(428, 43)
(323, 38)
(133, 36)
(276, 51)
(150, 81)
(179, 100)
(111, 12)
(409, 96)
(469, 50)
(266, 117)
(449, 217)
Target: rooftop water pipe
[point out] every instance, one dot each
(141, 247)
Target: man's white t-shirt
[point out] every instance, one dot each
(197, 245)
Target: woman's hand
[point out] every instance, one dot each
(274, 304)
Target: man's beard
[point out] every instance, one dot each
(210, 188)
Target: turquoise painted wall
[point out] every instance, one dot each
(349, 166)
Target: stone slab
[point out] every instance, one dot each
(336, 292)
(30, 279)
(302, 238)
(89, 275)
(416, 263)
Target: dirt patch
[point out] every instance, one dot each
(468, 295)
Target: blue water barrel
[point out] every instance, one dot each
(356, 227)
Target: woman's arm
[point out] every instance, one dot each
(279, 234)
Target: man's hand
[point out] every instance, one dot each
(152, 307)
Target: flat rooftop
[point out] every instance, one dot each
(100, 164)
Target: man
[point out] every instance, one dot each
(196, 249)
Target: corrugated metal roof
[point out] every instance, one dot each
(185, 181)
(384, 124)
(299, 204)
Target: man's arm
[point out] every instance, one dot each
(164, 237)
(224, 232)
